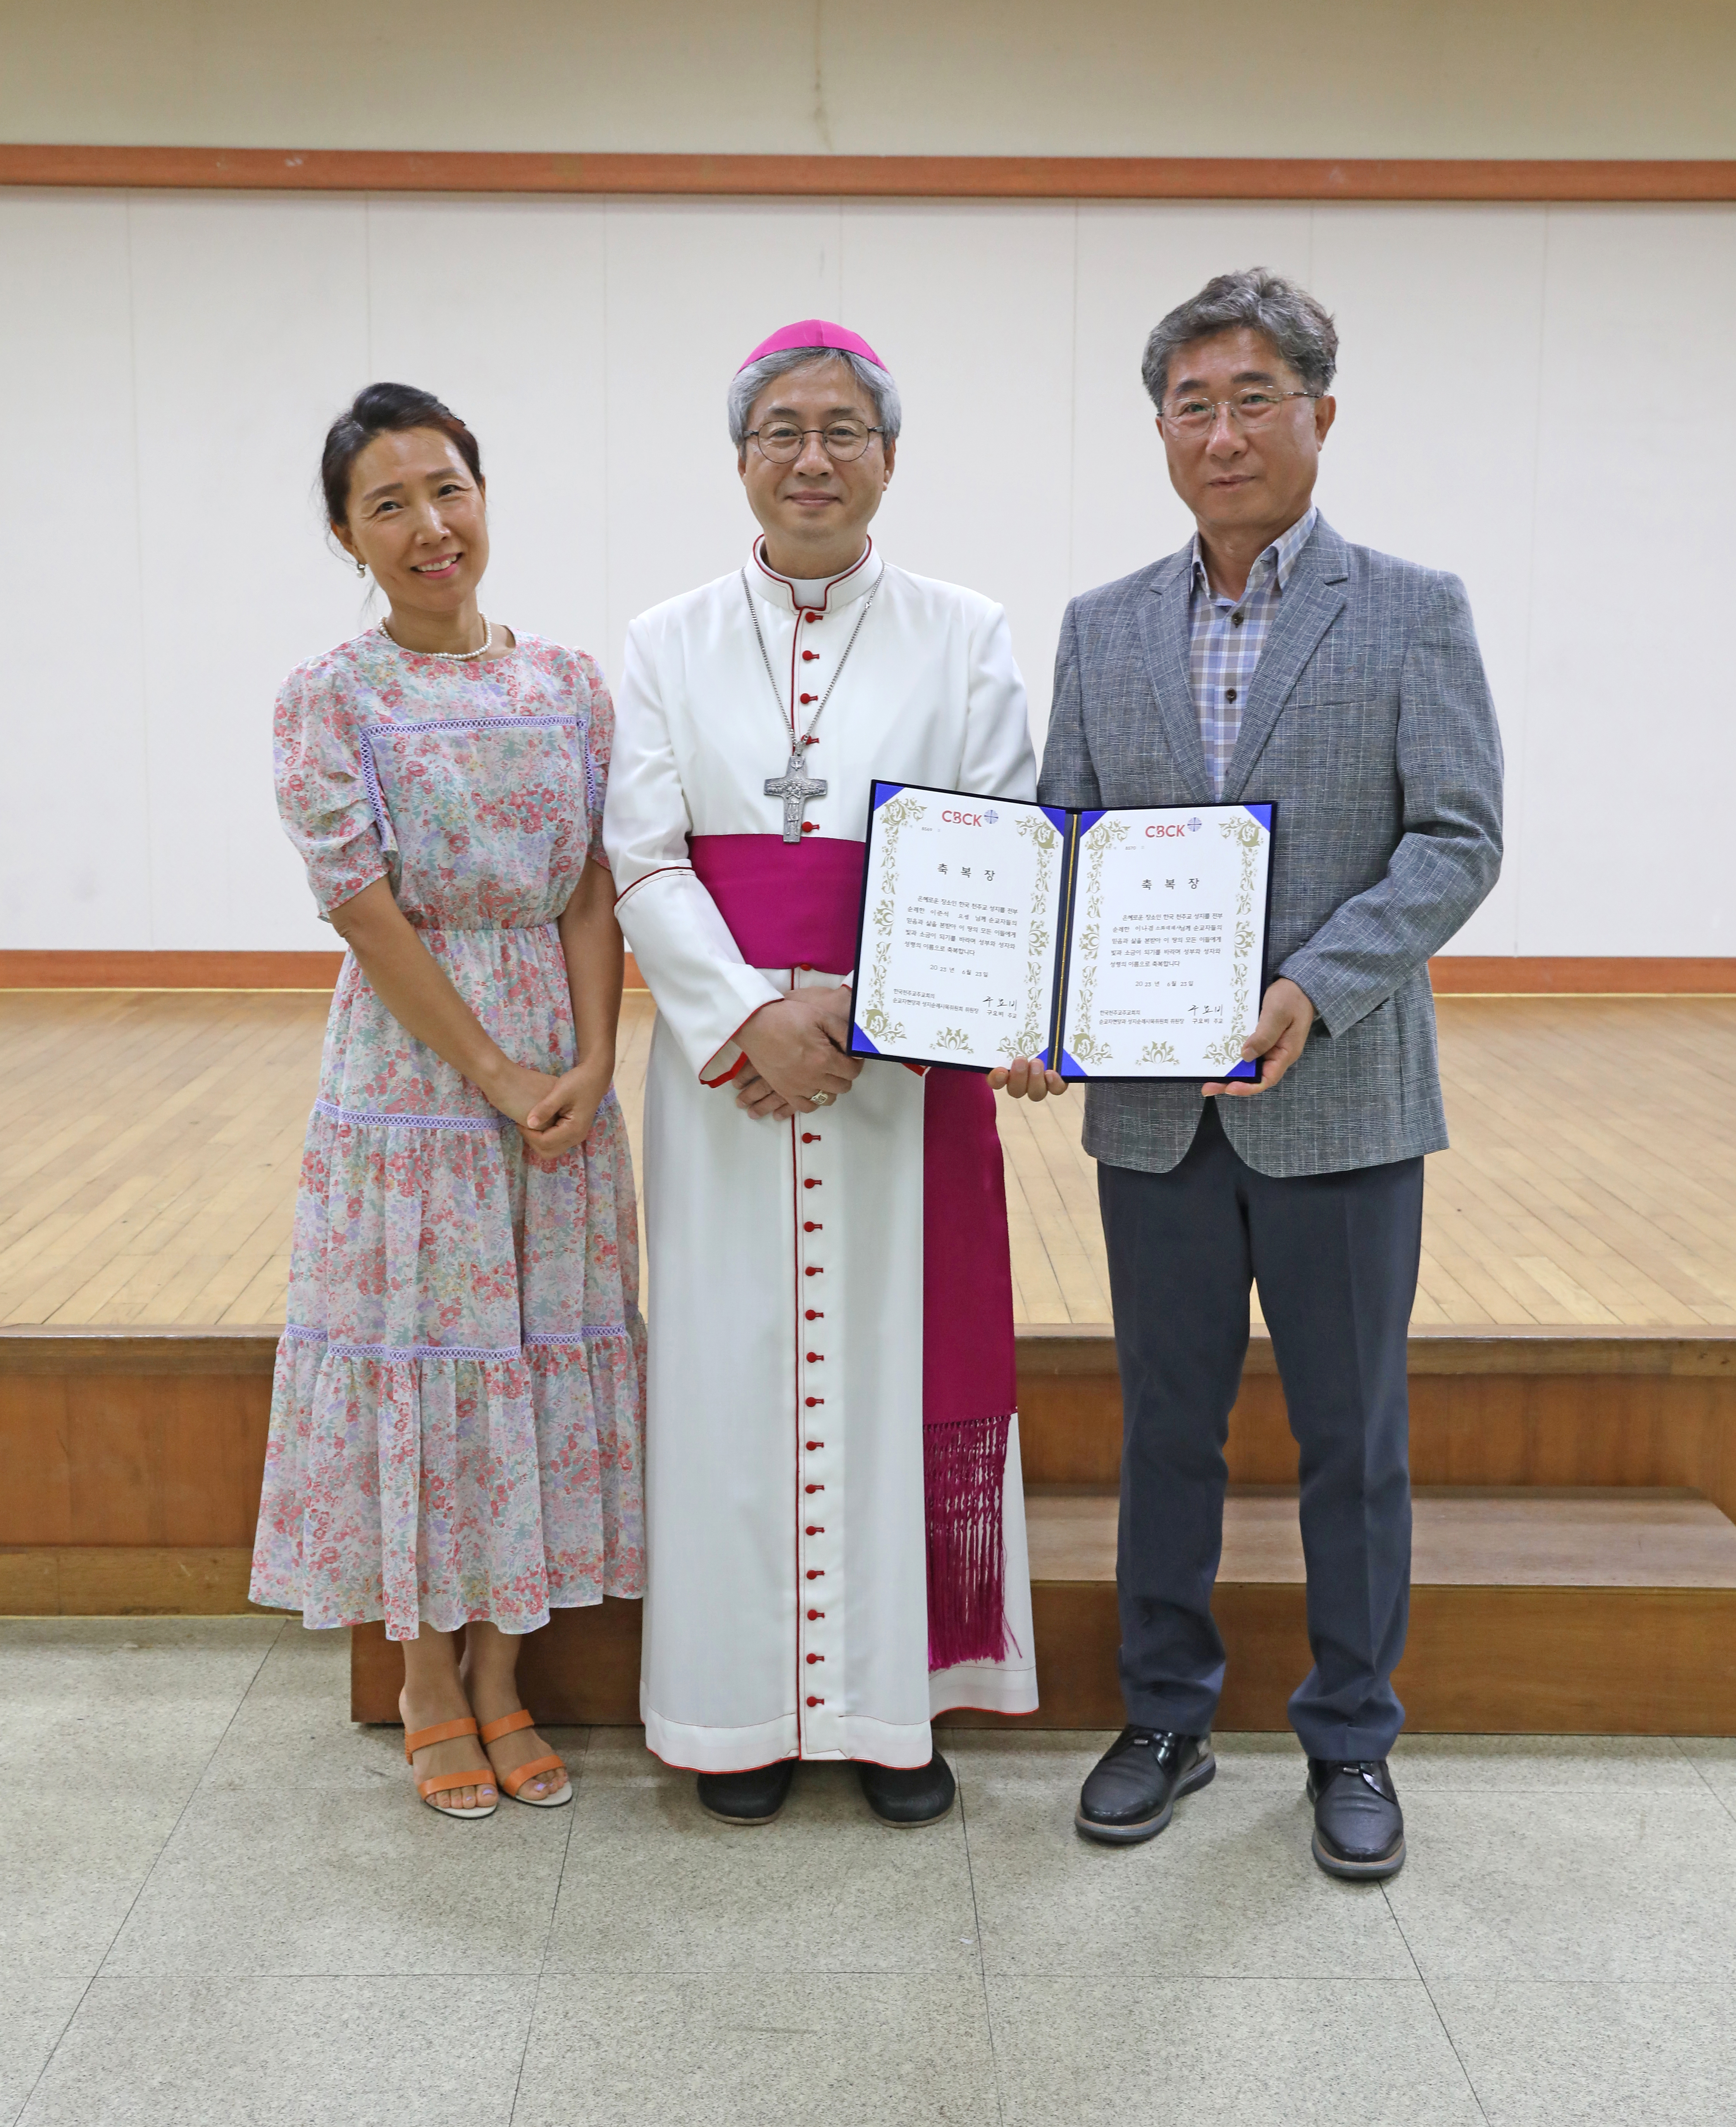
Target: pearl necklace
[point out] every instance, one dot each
(458, 656)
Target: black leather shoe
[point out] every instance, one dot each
(1359, 1827)
(750, 1797)
(902, 1797)
(1130, 1794)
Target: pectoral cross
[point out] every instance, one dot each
(795, 787)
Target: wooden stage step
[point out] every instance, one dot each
(130, 1460)
(1582, 1610)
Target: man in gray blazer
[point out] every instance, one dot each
(1270, 660)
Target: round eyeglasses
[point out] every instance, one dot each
(1192, 414)
(782, 441)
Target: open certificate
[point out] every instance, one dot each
(1124, 944)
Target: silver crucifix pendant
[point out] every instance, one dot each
(795, 787)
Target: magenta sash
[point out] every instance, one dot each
(796, 904)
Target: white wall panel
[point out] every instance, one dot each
(969, 306)
(965, 77)
(1633, 692)
(499, 307)
(74, 868)
(692, 286)
(1133, 266)
(250, 327)
(1433, 455)
(1523, 399)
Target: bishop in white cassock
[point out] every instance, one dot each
(830, 1294)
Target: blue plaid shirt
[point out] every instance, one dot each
(1227, 637)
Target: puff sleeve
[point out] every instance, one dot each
(322, 795)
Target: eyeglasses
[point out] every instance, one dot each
(1192, 414)
(782, 441)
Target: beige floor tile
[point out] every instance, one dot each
(1228, 1889)
(652, 1883)
(1714, 1761)
(172, 2051)
(145, 1700)
(1503, 1765)
(754, 2049)
(38, 2005)
(305, 1850)
(1621, 1885)
(1224, 2053)
(1583, 2055)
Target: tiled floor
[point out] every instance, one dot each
(221, 1904)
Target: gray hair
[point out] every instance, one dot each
(1300, 328)
(746, 386)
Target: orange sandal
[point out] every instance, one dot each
(492, 1731)
(449, 1782)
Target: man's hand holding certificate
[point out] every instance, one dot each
(1101, 944)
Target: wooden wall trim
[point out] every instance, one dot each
(1048, 1350)
(867, 177)
(1076, 1351)
(1454, 974)
(127, 1580)
(47, 970)
(30, 969)
(123, 1349)
(1515, 975)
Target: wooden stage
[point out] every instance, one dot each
(1572, 1361)
(149, 1142)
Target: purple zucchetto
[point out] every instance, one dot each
(815, 333)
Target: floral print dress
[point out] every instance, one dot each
(458, 1417)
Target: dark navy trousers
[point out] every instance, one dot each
(1335, 1256)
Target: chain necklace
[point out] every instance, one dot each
(457, 657)
(796, 786)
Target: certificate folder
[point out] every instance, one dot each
(1120, 943)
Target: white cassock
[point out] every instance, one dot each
(787, 1610)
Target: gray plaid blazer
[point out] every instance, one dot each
(1369, 724)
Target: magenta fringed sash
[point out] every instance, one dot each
(795, 904)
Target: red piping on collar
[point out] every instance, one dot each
(797, 605)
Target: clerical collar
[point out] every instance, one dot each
(813, 595)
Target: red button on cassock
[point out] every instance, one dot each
(814, 1443)
(814, 1658)
(806, 697)
(814, 1528)
(809, 656)
(816, 1358)
(816, 1315)
(811, 616)
(812, 1614)
(814, 1270)
(813, 1182)
(811, 1137)
(812, 1226)
(810, 827)
(816, 1573)
(817, 1702)
(813, 1488)
(811, 1401)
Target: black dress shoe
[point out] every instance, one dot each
(903, 1796)
(1359, 1827)
(750, 1797)
(1130, 1793)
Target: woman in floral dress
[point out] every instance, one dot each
(457, 1418)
